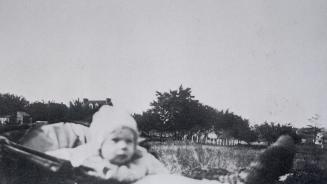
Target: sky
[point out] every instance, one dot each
(263, 60)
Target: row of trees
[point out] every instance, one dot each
(179, 113)
(45, 111)
(176, 112)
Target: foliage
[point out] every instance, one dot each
(177, 111)
(147, 120)
(10, 104)
(57, 112)
(174, 109)
(77, 111)
(271, 131)
(50, 111)
(45, 111)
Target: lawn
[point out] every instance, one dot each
(310, 163)
(183, 158)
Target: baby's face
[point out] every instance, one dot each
(119, 147)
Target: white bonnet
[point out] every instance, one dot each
(106, 120)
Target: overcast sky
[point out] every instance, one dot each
(263, 60)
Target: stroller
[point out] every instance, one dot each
(21, 164)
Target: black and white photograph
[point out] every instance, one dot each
(163, 92)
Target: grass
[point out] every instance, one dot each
(181, 158)
(310, 163)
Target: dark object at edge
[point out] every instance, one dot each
(19, 164)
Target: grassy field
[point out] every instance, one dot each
(310, 163)
(183, 158)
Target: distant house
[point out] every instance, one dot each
(23, 117)
(4, 120)
(307, 134)
(20, 118)
(313, 135)
(321, 139)
(93, 104)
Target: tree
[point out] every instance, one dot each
(147, 121)
(38, 111)
(10, 104)
(77, 111)
(57, 112)
(271, 131)
(242, 131)
(174, 109)
(178, 112)
(51, 111)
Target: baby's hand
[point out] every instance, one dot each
(104, 173)
(125, 174)
(97, 174)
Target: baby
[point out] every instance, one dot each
(113, 151)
